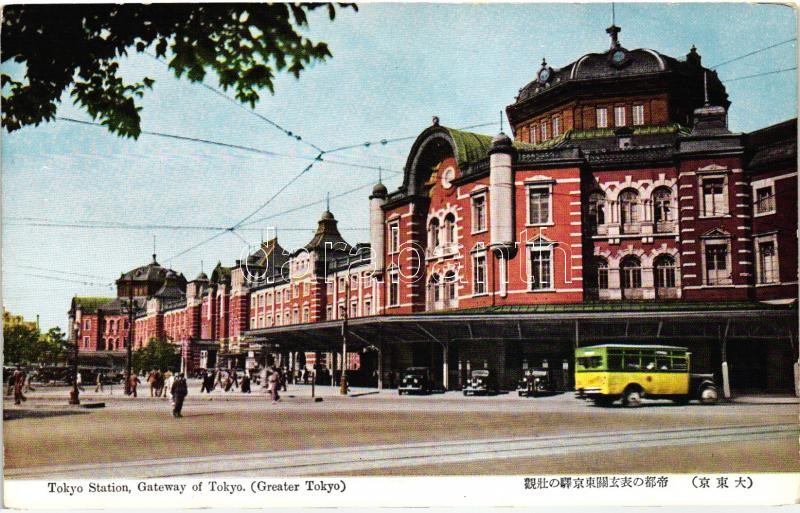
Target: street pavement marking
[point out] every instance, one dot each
(344, 459)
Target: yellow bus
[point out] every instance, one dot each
(607, 372)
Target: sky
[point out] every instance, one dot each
(394, 67)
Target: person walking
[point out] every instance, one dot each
(274, 382)
(133, 382)
(169, 380)
(79, 381)
(99, 387)
(19, 383)
(179, 392)
(245, 384)
(204, 387)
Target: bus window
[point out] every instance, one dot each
(649, 362)
(632, 361)
(679, 364)
(663, 363)
(614, 361)
(590, 362)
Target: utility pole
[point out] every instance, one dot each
(74, 393)
(343, 381)
(130, 338)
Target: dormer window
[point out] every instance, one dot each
(619, 116)
(602, 117)
(638, 114)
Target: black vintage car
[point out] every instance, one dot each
(482, 382)
(415, 380)
(536, 381)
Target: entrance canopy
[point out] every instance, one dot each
(579, 324)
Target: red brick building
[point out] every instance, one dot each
(623, 208)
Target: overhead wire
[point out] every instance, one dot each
(754, 52)
(759, 74)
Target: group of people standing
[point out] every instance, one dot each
(226, 380)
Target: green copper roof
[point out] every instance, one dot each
(87, 303)
(470, 147)
(621, 306)
(591, 133)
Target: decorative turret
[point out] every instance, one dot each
(710, 119)
(501, 192)
(377, 231)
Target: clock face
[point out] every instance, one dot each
(544, 74)
(618, 56)
(448, 175)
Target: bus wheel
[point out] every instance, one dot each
(709, 395)
(632, 397)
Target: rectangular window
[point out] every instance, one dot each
(717, 264)
(767, 262)
(538, 205)
(306, 288)
(87, 324)
(367, 307)
(269, 321)
(638, 114)
(479, 274)
(394, 289)
(556, 126)
(602, 277)
(394, 238)
(305, 314)
(602, 117)
(329, 312)
(765, 200)
(354, 309)
(619, 116)
(277, 319)
(534, 139)
(540, 278)
(543, 128)
(714, 203)
(85, 342)
(479, 213)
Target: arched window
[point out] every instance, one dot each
(630, 270)
(628, 209)
(435, 288)
(449, 229)
(433, 234)
(449, 286)
(597, 215)
(602, 273)
(664, 271)
(662, 209)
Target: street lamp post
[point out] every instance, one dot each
(74, 395)
(343, 381)
(130, 339)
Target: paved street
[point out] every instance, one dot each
(372, 433)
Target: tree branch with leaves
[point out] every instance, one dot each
(78, 48)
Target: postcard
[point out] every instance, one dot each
(399, 255)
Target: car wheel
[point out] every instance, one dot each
(632, 397)
(709, 395)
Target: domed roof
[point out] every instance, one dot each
(379, 190)
(617, 62)
(201, 277)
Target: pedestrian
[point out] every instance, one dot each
(274, 381)
(282, 376)
(99, 387)
(151, 380)
(179, 392)
(235, 377)
(159, 382)
(245, 384)
(133, 382)
(19, 383)
(169, 379)
(79, 381)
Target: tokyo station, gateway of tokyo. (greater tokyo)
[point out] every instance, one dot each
(622, 210)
